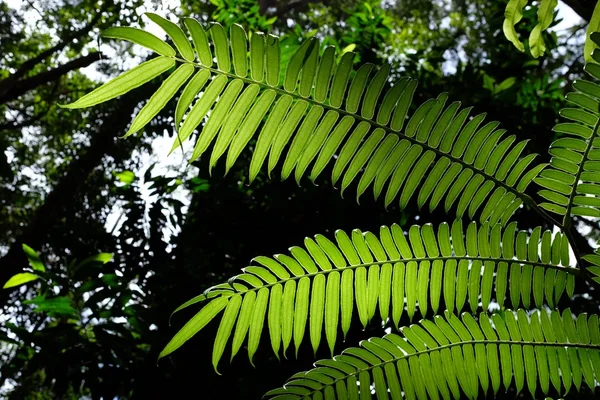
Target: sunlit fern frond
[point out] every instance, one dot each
(448, 358)
(572, 182)
(323, 284)
(323, 112)
(594, 269)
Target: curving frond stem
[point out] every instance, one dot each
(422, 270)
(572, 183)
(321, 113)
(445, 358)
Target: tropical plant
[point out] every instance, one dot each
(546, 15)
(321, 113)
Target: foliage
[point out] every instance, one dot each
(367, 139)
(70, 305)
(546, 15)
(594, 26)
(465, 356)
(441, 149)
(175, 230)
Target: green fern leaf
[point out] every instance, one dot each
(571, 185)
(594, 26)
(594, 269)
(141, 37)
(322, 114)
(422, 271)
(442, 358)
(125, 82)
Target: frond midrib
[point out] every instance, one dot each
(521, 343)
(580, 168)
(526, 199)
(571, 270)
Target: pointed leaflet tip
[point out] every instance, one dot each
(194, 325)
(141, 37)
(192, 301)
(216, 371)
(251, 178)
(125, 82)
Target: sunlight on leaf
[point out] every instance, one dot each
(20, 279)
(127, 177)
(34, 259)
(512, 15)
(594, 26)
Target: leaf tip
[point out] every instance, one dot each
(162, 355)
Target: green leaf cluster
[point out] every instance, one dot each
(320, 112)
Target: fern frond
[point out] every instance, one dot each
(545, 351)
(572, 182)
(323, 111)
(594, 270)
(325, 282)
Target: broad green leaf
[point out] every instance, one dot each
(244, 319)
(332, 309)
(196, 323)
(188, 94)
(200, 40)
(159, 99)
(287, 314)
(34, 259)
(141, 37)
(593, 26)
(125, 82)
(257, 322)
(198, 112)
(19, 279)
(176, 34)
(274, 317)
(301, 311)
(512, 15)
(545, 14)
(225, 328)
(317, 310)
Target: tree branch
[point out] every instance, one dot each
(30, 64)
(7, 85)
(23, 86)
